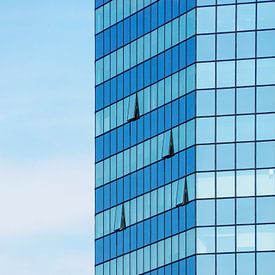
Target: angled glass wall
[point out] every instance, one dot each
(185, 137)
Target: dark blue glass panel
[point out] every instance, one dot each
(154, 229)
(113, 245)
(140, 126)
(99, 251)
(175, 268)
(160, 173)
(140, 76)
(113, 90)
(154, 69)
(133, 80)
(99, 97)
(140, 27)
(139, 235)
(191, 214)
(107, 251)
(154, 176)
(99, 148)
(191, 106)
(190, 160)
(190, 5)
(120, 243)
(182, 164)
(168, 10)
(175, 113)
(168, 167)
(113, 31)
(160, 66)
(127, 240)
(107, 40)
(127, 30)
(126, 187)
(182, 267)
(120, 192)
(182, 219)
(113, 193)
(119, 87)
(133, 27)
(113, 142)
(133, 237)
(175, 8)
(175, 167)
(168, 270)
(182, 55)
(119, 138)
(98, 3)
(191, 50)
(161, 271)
(140, 182)
(120, 34)
(175, 221)
(161, 12)
(147, 22)
(107, 144)
(147, 73)
(168, 116)
(99, 46)
(160, 119)
(133, 134)
(175, 59)
(154, 125)
(154, 16)
(168, 222)
(133, 189)
(107, 196)
(191, 266)
(98, 200)
(147, 179)
(127, 83)
(168, 62)
(126, 135)
(147, 126)
(147, 232)
(160, 226)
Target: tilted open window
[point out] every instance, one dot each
(168, 145)
(182, 193)
(120, 221)
(133, 108)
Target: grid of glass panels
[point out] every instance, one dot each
(185, 137)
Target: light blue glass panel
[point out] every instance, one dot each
(225, 129)
(264, 47)
(246, 263)
(245, 44)
(226, 18)
(225, 46)
(245, 155)
(206, 20)
(205, 47)
(226, 264)
(205, 185)
(205, 103)
(265, 154)
(245, 210)
(245, 128)
(266, 237)
(245, 182)
(266, 99)
(206, 240)
(225, 101)
(225, 74)
(266, 127)
(266, 71)
(246, 238)
(266, 182)
(205, 130)
(266, 210)
(265, 262)
(205, 212)
(225, 211)
(225, 239)
(205, 264)
(246, 17)
(225, 156)
(225, 184)
(245, 72)
(205, 157)
(265, 18)
(205, 75)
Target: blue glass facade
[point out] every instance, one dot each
(185, 137)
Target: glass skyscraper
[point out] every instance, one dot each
(185, 137)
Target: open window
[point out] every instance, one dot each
(182, 193)
(120, 221)
(168, 145)
(133, 108)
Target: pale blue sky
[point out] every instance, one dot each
(46, 137)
